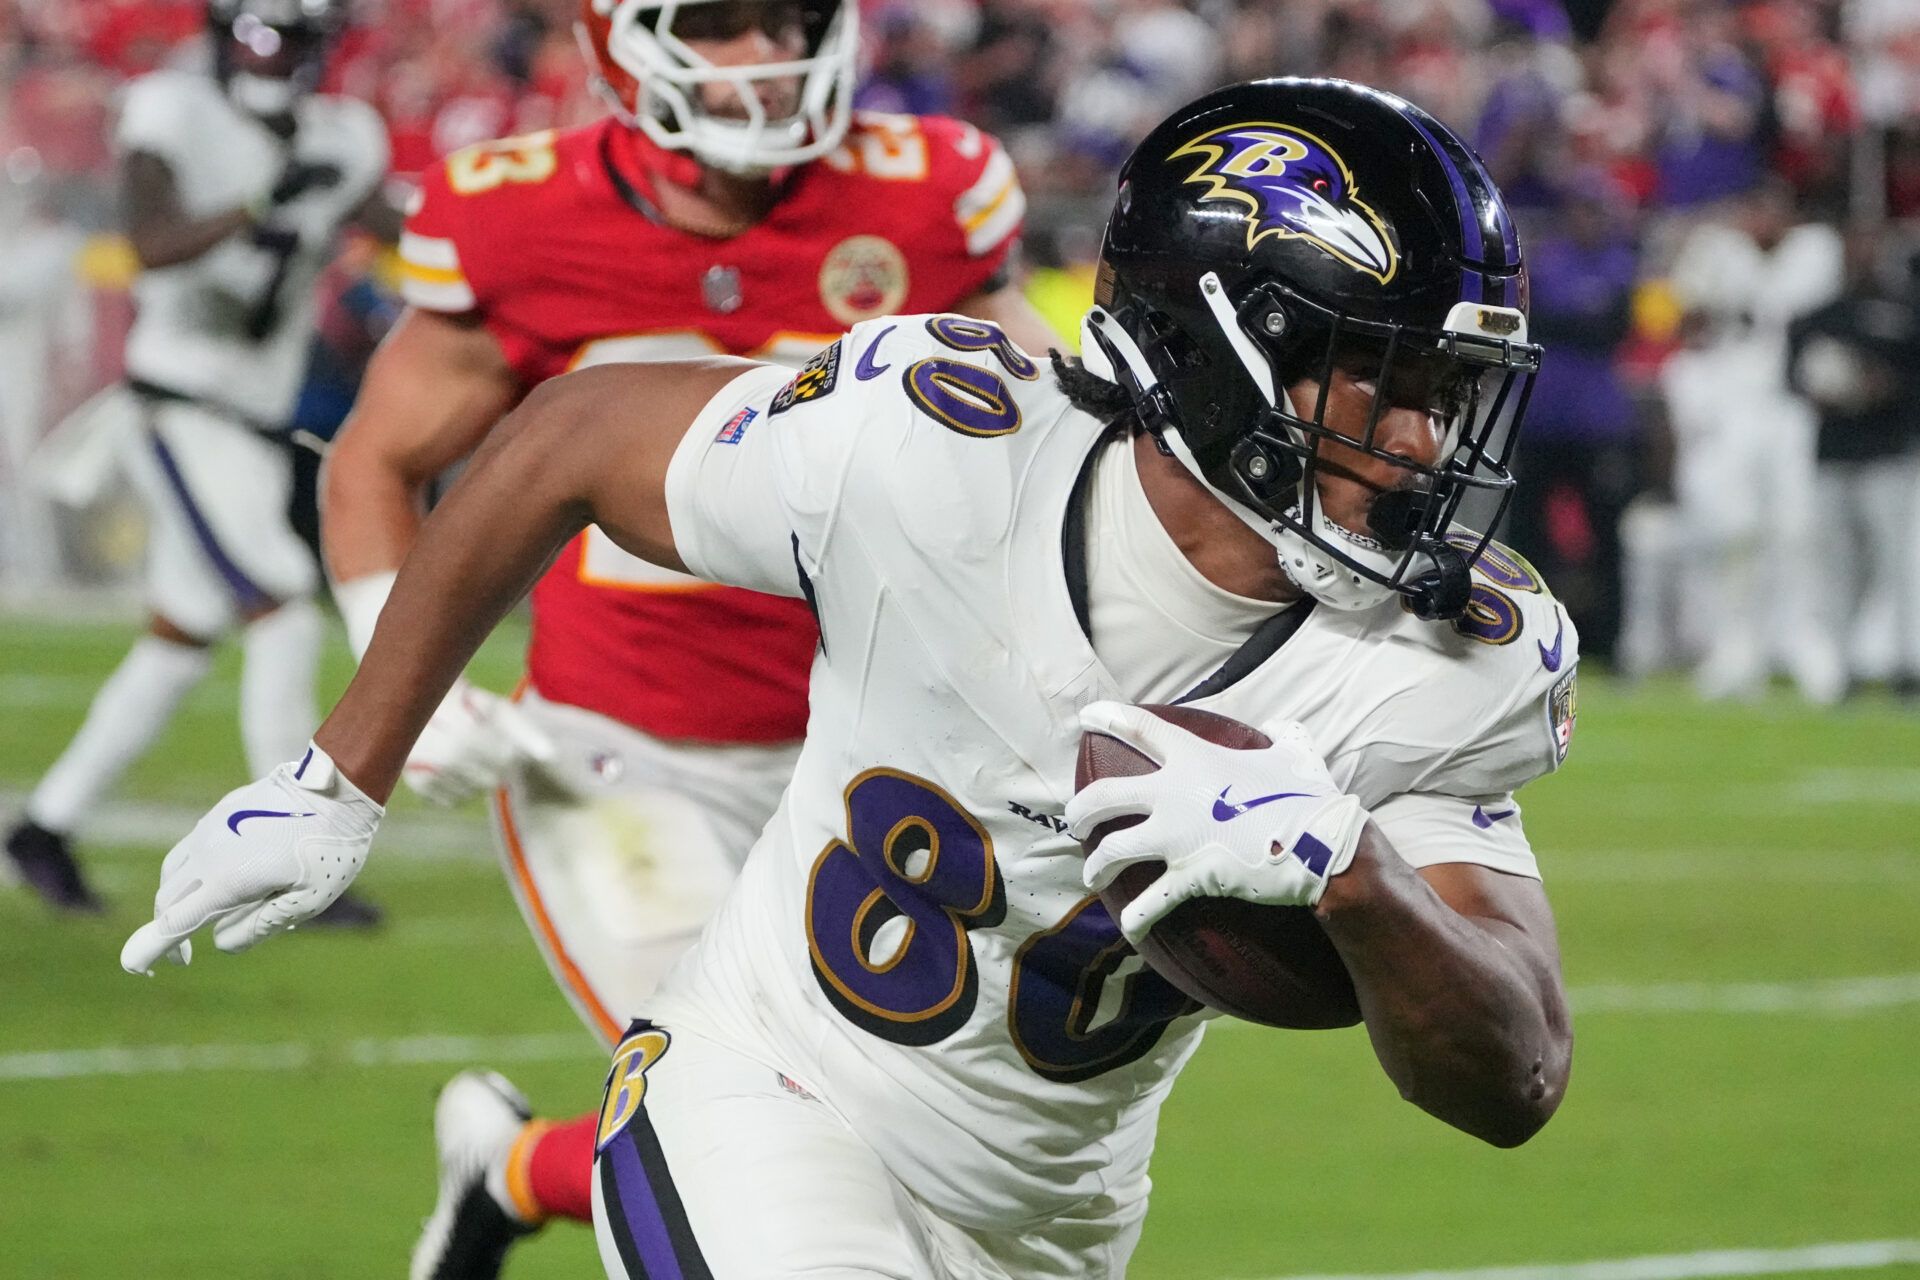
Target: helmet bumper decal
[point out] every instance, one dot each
(1292, 184)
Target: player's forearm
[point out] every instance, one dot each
(1459, 1018)
(170, 242)
(432, 391)
(370, 511)
(518, 503)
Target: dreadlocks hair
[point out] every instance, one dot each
(1089, 392)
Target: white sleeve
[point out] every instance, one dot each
(1427, 829)
(156, 116)
(371, 150)
(750, 490)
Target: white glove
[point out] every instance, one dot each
(473, 740)
(271, 854)
(1267, 826)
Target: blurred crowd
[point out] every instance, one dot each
(1722, 467)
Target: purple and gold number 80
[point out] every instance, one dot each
(1059, 977)
(1491, 616)
(964, 334)
(889, 907)
(964, 397)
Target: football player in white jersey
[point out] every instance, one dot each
(910, 1044)
(235, 186)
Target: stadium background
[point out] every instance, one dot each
(1737, 882)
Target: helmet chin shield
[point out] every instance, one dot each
(656, 81)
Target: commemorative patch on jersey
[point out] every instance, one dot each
(815, 381)
(645, 1045)
(863, 277)
(736, 426)
(1294, 186)
(1563, 705)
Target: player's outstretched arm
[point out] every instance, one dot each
(593, 446)
(161, 231)
(434, 389)
(1458, 971)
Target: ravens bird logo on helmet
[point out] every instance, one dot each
(1293, 184)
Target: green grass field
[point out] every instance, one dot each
(1739, 898)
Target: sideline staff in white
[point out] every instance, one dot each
(1858, 361)
(1744, 444)
(235, 187)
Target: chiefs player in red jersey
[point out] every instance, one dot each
(733, 203)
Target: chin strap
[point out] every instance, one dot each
(1444, 590)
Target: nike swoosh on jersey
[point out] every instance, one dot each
(1482, 819)
(1225, 810)
(1550, 657)
(233, 823)
(867, 370)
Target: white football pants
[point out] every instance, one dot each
(219, 544)
(1743, 474)
(620, 848)
(1869, 604)
(712, 1163)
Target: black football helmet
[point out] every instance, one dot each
(270, 53)
(1272, 230)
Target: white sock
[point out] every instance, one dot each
(128, 713)
(277, 714)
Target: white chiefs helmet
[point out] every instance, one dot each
(653, 77)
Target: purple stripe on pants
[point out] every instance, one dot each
(250, 597)
(646, 1227)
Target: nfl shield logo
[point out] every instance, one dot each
(736, 426)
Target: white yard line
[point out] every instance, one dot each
(1824, 997)
(433, 835)
(1851, 1255)
(1830, 997)
(146, 1060)
(417, 836)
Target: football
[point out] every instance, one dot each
(1267, 964)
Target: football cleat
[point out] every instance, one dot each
(44, 862)
(469, 1232)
